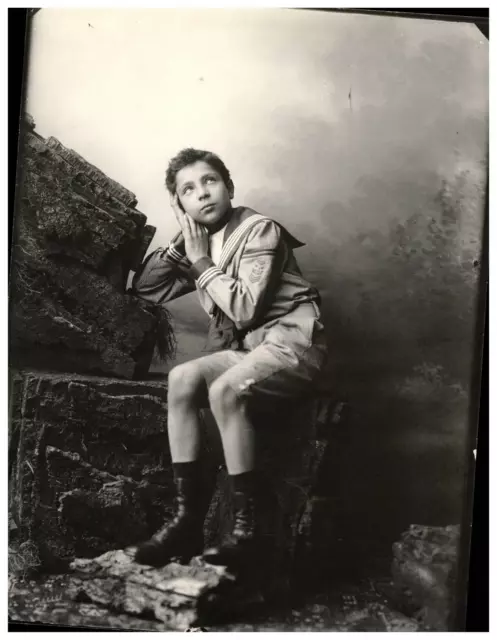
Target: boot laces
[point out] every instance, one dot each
(244, 519)
(179, 518)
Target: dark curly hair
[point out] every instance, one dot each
(189, 156)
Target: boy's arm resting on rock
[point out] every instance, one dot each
(261, 264)
(164, 274)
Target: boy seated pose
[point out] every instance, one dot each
(265, 333)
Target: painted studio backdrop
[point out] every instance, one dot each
(366, 136)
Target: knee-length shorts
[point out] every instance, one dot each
(281, 359)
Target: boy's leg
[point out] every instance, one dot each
(267, 374)
(236, 429)
(186, 386)
(187, 394)
(263, 376)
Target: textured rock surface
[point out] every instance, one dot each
(424, 574)
(357, 607)
(76, 237)
(98, 177)
(90, 469)
(89, 462)
(178, 595)
(48, 601)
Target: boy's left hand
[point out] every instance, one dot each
(196, 239)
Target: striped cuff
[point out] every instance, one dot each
(208, 276)
(174, 255)
(204, 271)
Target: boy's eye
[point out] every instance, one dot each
(186, 190)
(211, 179)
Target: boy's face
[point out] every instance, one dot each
(202, 192)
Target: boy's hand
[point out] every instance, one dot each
(178, 211)
(196, 239)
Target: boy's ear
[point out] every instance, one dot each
(231, 189)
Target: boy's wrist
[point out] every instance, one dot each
(199, 266)
(204, 272)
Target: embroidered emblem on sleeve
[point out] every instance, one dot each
(258, 269)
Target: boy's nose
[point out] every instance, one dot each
(203, 193)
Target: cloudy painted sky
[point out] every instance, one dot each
(268, 90)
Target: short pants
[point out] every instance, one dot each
(281, 359)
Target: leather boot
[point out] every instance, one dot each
(183, 537)
(238, 547)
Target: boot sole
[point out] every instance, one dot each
(236, 559)
(158, 564)
(161, 560)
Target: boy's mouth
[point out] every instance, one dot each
(207, 208)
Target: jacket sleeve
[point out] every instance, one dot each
(261, 264)
(164, 274)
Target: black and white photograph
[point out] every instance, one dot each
(247, 294)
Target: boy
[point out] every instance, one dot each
(265, 332)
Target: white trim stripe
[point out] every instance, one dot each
(175, 253)
(208, 275)
(205, 274)
(236, 236)
(172, 257)
(261, 252)
(207, 282)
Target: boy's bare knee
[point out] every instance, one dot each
(223, 399)
(184, 382)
